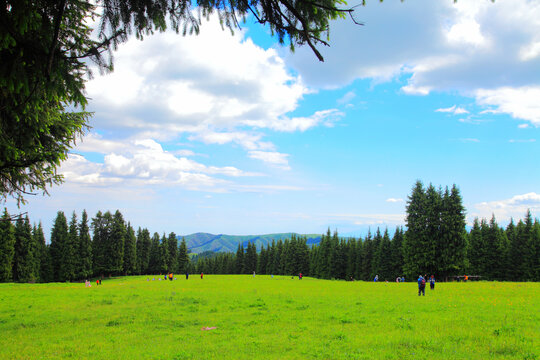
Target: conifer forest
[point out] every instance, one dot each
(434, 241)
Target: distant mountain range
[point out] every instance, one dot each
(200, 242)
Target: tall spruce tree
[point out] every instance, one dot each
(70, 256)
(85, 248)
(143, 250)
(172, 260)
(130, 251)
(45, 265)
(416, 237)
(155, 261)
(116, 244)
(183, 257)
(59, 238)
(7, 247)
(24, 264)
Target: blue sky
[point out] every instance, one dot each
(234, 134)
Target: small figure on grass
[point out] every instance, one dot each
(300, 276)
(432, 282)
(187, 275)
(171, 276)
(376, 278)
(202, 274)
(421, 285)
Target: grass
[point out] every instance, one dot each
(268, 318)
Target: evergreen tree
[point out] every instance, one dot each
(172, 260)
(85, 249)
(416, 237)
(396, 252)
(45, 265)
(164, 254)
(367, 258)
(25, 252)
(70, 255)
(101, 225)
(183, 257)
(154, 264)
(519, 252)
(385, 258)
(143, 251)
(59, 238)
(239, 260)
(116, 244)
(250, 259)
(7, 247)
(130, 252)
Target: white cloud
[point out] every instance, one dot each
(515, 207)
(170, 84)
(144, 161)
(453, 110)
(469, 47)
(522, 103)
(394, 200)
(469, 140)
(346, 98)
(271, 157)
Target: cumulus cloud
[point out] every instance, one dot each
(521, 103)
(394, 200)
(487, 50)
(515, 207)
(144, 161)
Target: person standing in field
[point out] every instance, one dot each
(187, 275)
(432, 282)
(202, 274)
(376, 278)
(421, 285)
(300, 276)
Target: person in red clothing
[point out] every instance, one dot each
(300, 276)
(202, 275)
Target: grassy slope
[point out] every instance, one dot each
(265, 318)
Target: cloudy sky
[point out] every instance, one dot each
(234, 134)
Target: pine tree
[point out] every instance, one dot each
(101, 251)
(239, 262)
(23, 264)
(475, 249)
(172, 261)
(143, 251)
(396, 252)
(130, 251)
(70, 255)
(452, 246)
(416, 235)
(45, 265)
(183, 257)
(59, 237)
(7, 247)
(154, 264)
(116, 244)
(385, 260)
(250, 259)
(85, 249)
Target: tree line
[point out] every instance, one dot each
(73, 255)
(435, 241)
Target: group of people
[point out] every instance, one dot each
(422, 284)
(87, 283)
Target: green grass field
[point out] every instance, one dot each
(268, 318)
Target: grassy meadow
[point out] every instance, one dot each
(268, 318)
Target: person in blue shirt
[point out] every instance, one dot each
(376, 278)
(421, 286)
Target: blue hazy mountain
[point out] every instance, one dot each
(200, 242)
